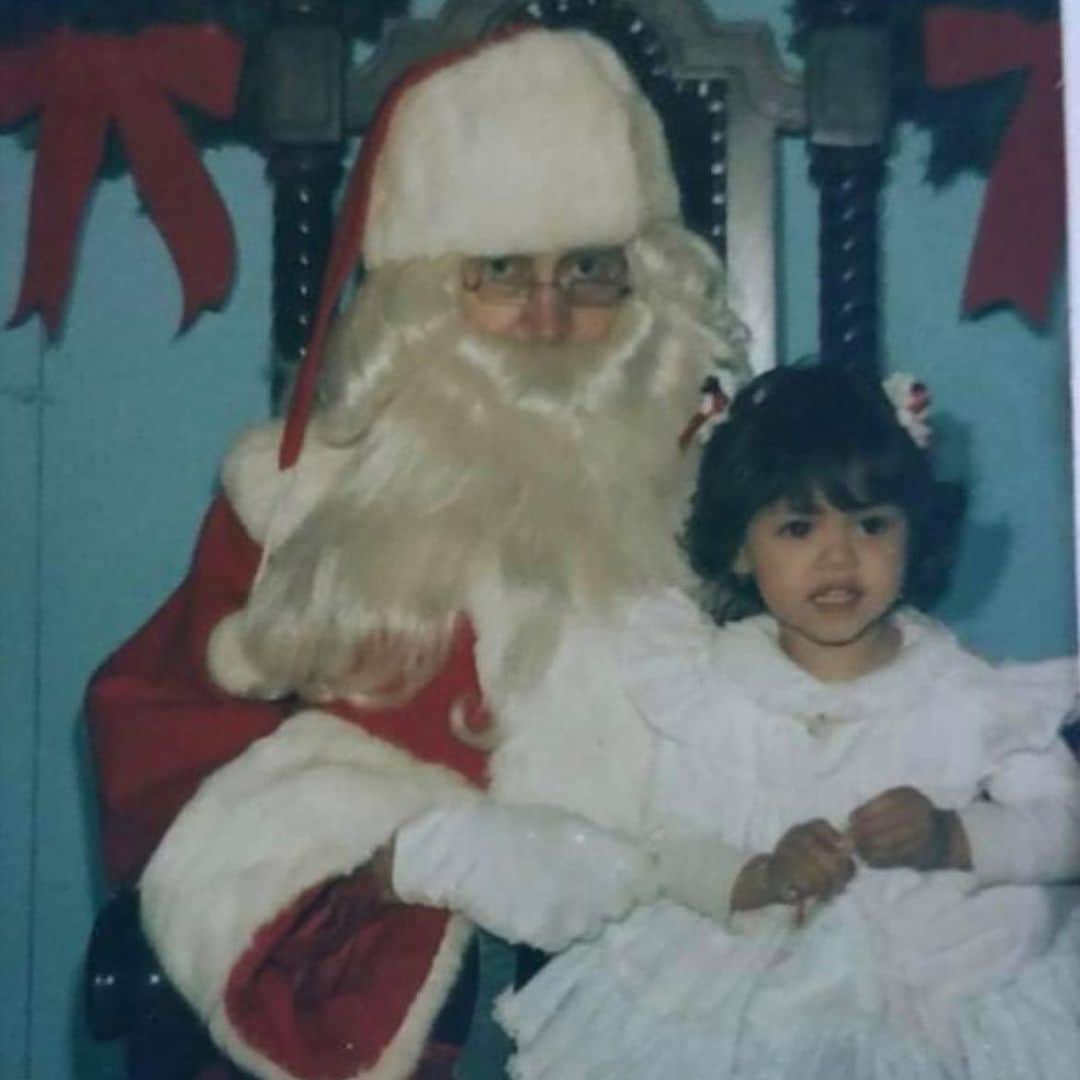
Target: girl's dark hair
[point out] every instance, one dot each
(799, 432)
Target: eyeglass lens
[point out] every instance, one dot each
(589, 277)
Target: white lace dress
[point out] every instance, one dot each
(905, 975)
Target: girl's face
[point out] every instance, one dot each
(830, 577)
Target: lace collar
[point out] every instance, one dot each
(749, 654)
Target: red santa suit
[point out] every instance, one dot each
(258, 899)
(250, 819)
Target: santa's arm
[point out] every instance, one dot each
(161, 731)
(258, 897)
(262, 908)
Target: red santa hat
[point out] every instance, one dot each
(531, 141)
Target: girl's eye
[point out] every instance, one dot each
(796, 528)
(875, 524)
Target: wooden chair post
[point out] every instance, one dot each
(847, 82)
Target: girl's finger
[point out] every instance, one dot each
(896, 840)
(889, 828)
(871, 807)
(828, 839)
(823, 864)
(827, 834)
(899, 802)
(879, 817)
(825, 873)
(809, 877)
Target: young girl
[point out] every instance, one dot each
(864, 834)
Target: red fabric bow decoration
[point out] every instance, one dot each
(80, 84)
(1022, 226)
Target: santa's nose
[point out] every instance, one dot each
(546, 314)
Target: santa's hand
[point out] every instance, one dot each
(530, 874)
(812, 860)
(902, 827)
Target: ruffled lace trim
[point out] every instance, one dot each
(677, 666)
(579, 1018)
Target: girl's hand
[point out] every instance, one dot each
(812, 860)
(902, 827)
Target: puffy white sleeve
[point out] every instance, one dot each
(699, 871)
(666, 662)
(1027, 829)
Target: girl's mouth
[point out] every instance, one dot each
(837, 596)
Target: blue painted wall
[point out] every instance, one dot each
(109, 443)
(1001, 394)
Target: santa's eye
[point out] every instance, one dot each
(607, 265)
(498, 277)
(584, 266)
(501, 268)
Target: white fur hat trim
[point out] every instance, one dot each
(537, 142)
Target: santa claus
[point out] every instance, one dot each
(384, 708)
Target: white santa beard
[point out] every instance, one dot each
(553, 472)
(472, 470)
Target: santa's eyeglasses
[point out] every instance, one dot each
(586, 277)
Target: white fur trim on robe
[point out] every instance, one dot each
(270, 502)
(308, 803)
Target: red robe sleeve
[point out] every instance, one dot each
(157, 724)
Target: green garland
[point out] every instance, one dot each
(249, 20)
(246, 18)
(966, 125)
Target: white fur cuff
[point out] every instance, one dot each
(310, 802)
